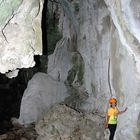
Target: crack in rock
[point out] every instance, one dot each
(6, 26)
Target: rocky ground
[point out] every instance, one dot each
(20, 133)
(64, 123)
(60, 123)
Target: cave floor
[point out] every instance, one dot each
(19, 133)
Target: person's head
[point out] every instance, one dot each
(112, 102)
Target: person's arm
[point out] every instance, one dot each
(106, 120)
(121, 112)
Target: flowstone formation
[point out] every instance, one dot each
(20, 33)
(41, 94)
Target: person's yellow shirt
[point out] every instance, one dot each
(112, 113)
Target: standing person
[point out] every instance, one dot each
(111, 117)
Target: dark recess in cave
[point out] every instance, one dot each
(50, 32)
(11, 92)
(44, 27)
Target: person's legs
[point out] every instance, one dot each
(112, 129)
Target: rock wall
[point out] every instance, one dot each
(125, 16)
(20, 33)
(65, 71)
(100, 51)
(108, 43)
(109, 39)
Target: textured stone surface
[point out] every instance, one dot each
(108, 42)
(126, 17)
(19, 132)
(101, 40)
(105, 35)
(20, 33)
(63, 123)
(42, 93)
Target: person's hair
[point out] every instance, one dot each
(111, 104)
